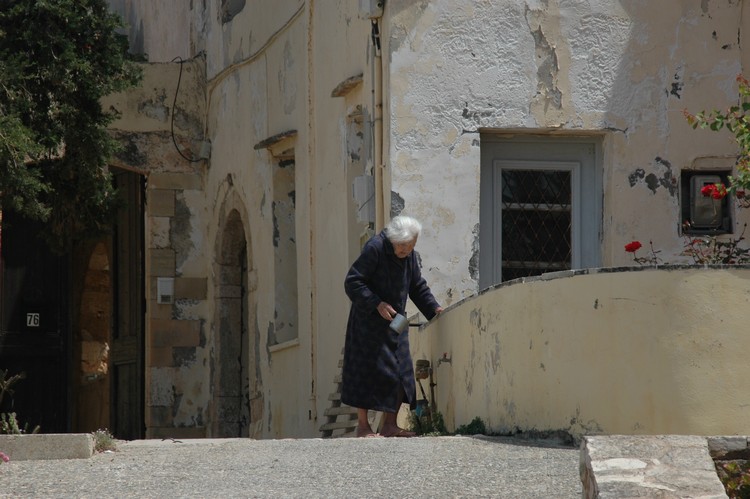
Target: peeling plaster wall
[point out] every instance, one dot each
(176, 334)
(253, 96)
(248, 34)
(257, 69)
(272, 70)
(623, 69)
(621, 351)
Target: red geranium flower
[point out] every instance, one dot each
(719, 191)
(632, 247)
(708, 190)
(716, 191)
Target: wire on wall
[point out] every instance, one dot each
(174, 108)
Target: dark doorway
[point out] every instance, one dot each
(94, 378)
(232, 371)
(34, 325)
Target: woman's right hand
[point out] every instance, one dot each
(386, 311)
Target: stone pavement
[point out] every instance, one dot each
(436, 467)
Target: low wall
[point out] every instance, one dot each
(627, 351)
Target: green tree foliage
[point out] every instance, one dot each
(58, 58)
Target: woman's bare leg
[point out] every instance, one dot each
(363, 424)
(390, 428)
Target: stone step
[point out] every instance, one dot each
(30, 447)
(338, 411)
(339, 425)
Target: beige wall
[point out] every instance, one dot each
(631, 351)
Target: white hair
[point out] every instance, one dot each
(403, 229)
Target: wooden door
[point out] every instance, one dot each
(128, 324)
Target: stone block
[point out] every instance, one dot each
(159, 310)
(160, 357)
(160, 203)
(47, 446)
(162, 262)
(722, 445)
(191, 288)
(176, 181)
(618, 466)
(174, 333)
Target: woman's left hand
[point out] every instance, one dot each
(386, 311)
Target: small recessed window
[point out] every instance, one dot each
(703, 214)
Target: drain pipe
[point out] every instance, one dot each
(381, 199)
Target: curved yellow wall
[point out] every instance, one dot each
(632, 351)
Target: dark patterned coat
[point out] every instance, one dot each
(377, 361)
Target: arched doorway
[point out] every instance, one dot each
(108, 323)
(232, 373)
(91, 342)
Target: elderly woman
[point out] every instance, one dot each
(378, 373)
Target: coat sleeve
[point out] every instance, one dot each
(420, 293)
(356, 283)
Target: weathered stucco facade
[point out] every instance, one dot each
(259, 228)
(616, 72)
(275, 136)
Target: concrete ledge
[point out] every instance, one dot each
(47, 446)
(663, 466)
(721, 446)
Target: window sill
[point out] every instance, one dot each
(284, 345)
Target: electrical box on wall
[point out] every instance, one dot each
(705, 211)
(371, 9)
(165, 290)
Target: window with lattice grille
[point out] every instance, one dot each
(536, 213)
(540, 207)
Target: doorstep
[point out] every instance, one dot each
(47, 446)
